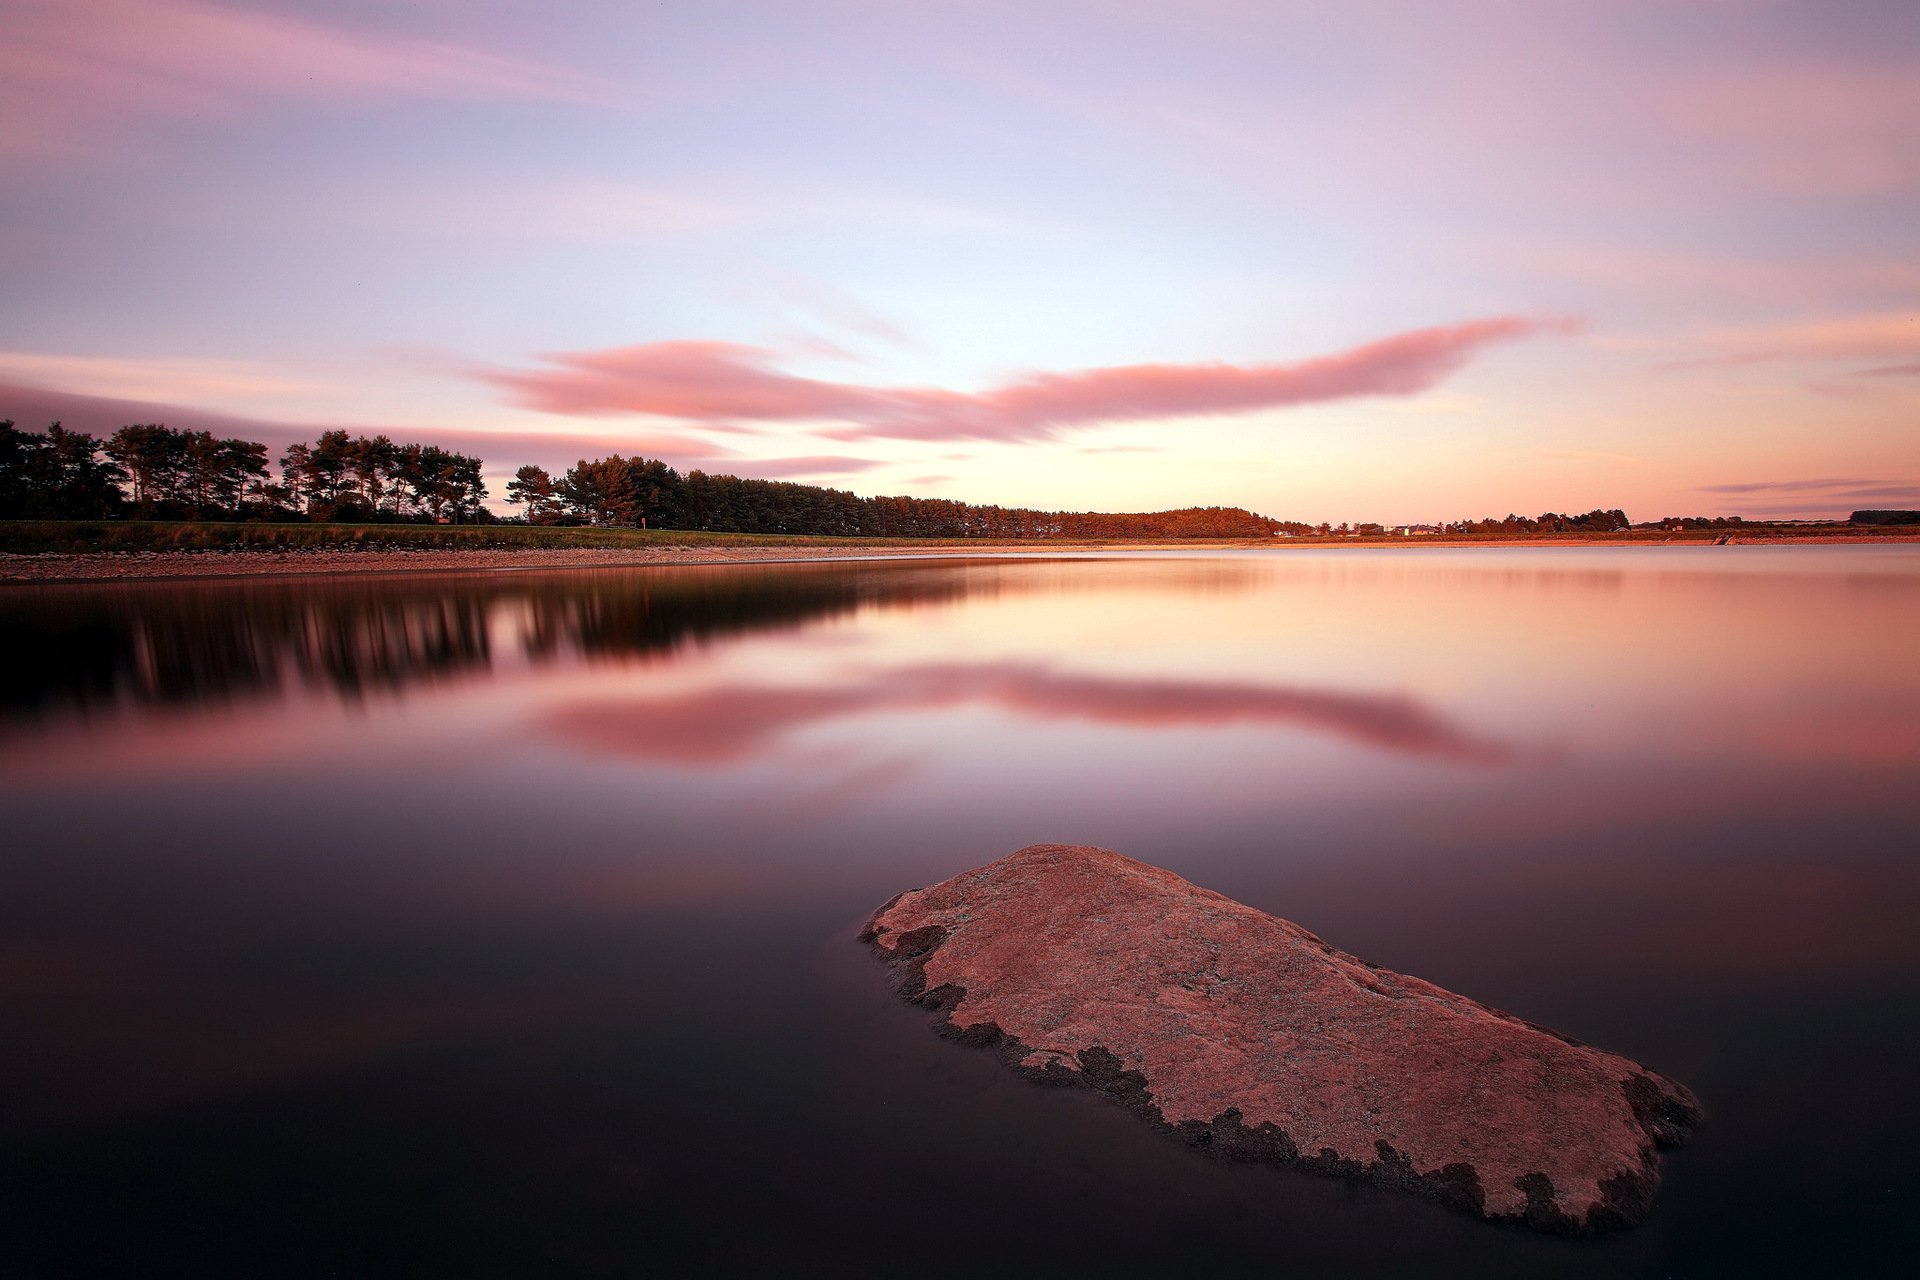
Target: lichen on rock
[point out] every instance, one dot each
(1249, 1036)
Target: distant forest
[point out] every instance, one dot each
(647, 493)
(152, 472)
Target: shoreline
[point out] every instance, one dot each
(69, 568)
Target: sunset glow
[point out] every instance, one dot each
(1380, 261)
(626, 622)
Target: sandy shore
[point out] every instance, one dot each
(160, 565)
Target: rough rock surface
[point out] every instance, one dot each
(1247, 1034)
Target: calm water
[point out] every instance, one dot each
(503, 924)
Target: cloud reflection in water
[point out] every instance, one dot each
(730, 723)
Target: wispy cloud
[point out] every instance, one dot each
(584, 210)
(1781, 486)
(155, 378)
(1876, 335)
(1827, 488)
(818, 464)
(1601, 266)
(73, 73)
(824, 302)
(704, 381)
(1593, 455)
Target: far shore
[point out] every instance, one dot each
(354, 553)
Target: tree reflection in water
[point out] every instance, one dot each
(147, 644)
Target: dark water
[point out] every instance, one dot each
(503, 925)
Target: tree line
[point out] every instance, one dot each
(647, 493)
(153, 472)
(150, 471)
(1596, 521)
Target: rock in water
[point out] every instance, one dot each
(1247, 1034)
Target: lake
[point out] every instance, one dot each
(503, 924)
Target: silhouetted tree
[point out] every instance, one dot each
(640, 491)
(533, 488)
(1596, 521)
(296, 476)
(446, 485)
(634, 492)
(372, 463)
(188, 473)
(154, 460)
(58, 475)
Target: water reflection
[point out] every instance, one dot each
(96, 646)
(187, 643)
(727, 724)
(344, 888)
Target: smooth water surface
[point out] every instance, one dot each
(504, 924)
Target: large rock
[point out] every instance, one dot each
(1247, 1034)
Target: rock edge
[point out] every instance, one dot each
(988, 946)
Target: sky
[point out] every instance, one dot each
(1377, 260)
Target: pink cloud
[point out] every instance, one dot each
(1603, 105)
(1825, 487)
(75, 72)
(1873, 335)
(818, 464)
(701, 381)
(1786, 486)
(684, 379)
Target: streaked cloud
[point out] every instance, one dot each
(591, 212)
(1593, 455)
(1814, 490)
(701, 381)
(823, 302)
(1884, 335)
(818, 464)
(158, 378)
(78, 72)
